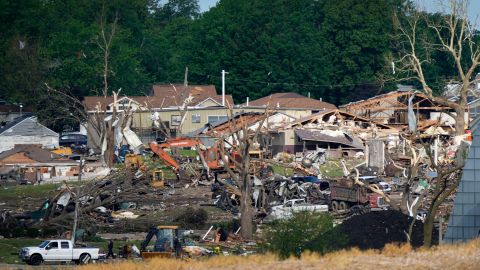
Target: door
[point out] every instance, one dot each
(65, 251)
(51, 251)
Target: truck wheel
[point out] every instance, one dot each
(35, 259)
(335, 206)
(342, 206)
(84, 258)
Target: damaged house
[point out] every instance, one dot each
(392, 109)
(26, 130)
(174, 109)
(338, 132)
(272, 121)
(36, 164)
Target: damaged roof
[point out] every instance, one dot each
(339, 114)
(230, 125)
(399, 100)
(329, 136)
(32, 152)
(290, 100)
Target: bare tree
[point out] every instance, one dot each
(105, 44)
(185, 98)
(453, 36)
(440, 187)
(241, 139)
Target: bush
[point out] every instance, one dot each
(32, 232)
(48, 232)
(303, 231)
(192, 218)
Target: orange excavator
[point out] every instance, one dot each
(211, 157)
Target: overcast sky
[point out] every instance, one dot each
(430, 5)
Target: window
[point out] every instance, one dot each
(217, 118)
(176, 120)
(65, 245)
(53, 245)
(195, 118)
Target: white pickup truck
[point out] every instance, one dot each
(296, 205)
(58, 251)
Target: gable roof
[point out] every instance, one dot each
(26, 125)
(34, 152)
(173, 96)
(165, 96)
(290, 100)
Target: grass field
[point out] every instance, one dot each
(465, 256)
(33, 191)
(9, 246)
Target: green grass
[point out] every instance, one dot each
(187, 153)
(282, 170)
(34, 191)
(334, 169)
(9, 246)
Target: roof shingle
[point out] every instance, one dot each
(291, 100)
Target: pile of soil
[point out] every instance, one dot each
(375, 229)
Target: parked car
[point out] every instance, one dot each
(58, 251)
(324, 185)
(73, 139)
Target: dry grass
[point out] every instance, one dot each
(464, 256)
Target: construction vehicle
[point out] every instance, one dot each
(211, 157)
(345, 195)
(166, 243)
(158, 179)
(135, 162)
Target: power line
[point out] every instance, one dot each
(233, 78)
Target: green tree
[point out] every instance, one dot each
(304, 231)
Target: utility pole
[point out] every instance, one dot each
(223, 87)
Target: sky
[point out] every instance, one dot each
(206, 4)
(434, 6)
(430, 5)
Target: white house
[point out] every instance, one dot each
(26, 130)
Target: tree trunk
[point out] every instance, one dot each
(432, 213)
(246, 213)
(459, 121)
(428, 229)
(246, 201)
(110, 153)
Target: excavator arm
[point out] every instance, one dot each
(176, 142)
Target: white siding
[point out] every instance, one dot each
(8, 142)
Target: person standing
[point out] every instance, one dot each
(110, 249)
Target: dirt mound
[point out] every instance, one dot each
(375, 229)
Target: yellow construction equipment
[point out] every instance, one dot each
(64, 151)
(158, 180)
(133, 161)
(166, 244)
